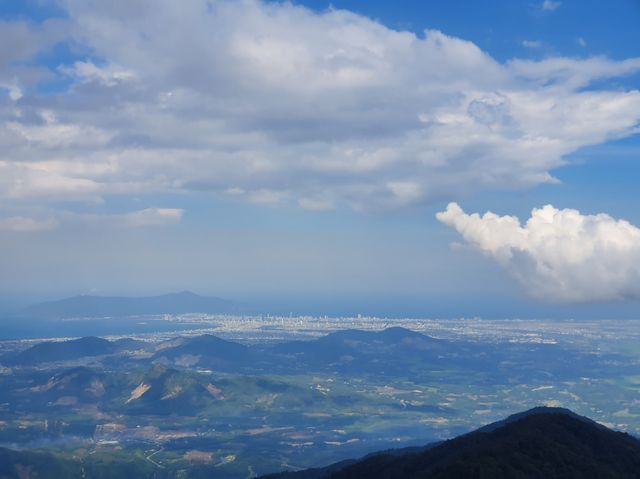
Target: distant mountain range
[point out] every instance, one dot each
(389, 351)
(115, 306)
(539, 443)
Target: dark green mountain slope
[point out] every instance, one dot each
(542, 443)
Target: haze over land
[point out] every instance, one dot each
(232, 394)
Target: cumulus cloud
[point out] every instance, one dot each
(270, 102)
(558, 255)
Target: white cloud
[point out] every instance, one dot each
(284, 104)
(50, 133)
(109, 75)
(568, 74)
(151, 217)
(132, 219)
(558, 255)
(54, 219)
(315, 204)
(13, 91)
(24, 40)
(40, 181)
(531, 43)
(22, 224)
(550, 5)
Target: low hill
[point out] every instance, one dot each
(114, 306)
(204, 351)
(541, 443)
(50, 351)
(390, 351)
(166, 391)
(350, 341)
(79, 384)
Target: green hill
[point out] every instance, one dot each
(61, 351)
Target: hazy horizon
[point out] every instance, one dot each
(380, 305)
(335, 158)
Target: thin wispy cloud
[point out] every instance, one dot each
(22, 224)
(147, 217)
(531, 43)
(550, 5)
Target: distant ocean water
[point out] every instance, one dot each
(22, 328)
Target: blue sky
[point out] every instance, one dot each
(297, 155)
